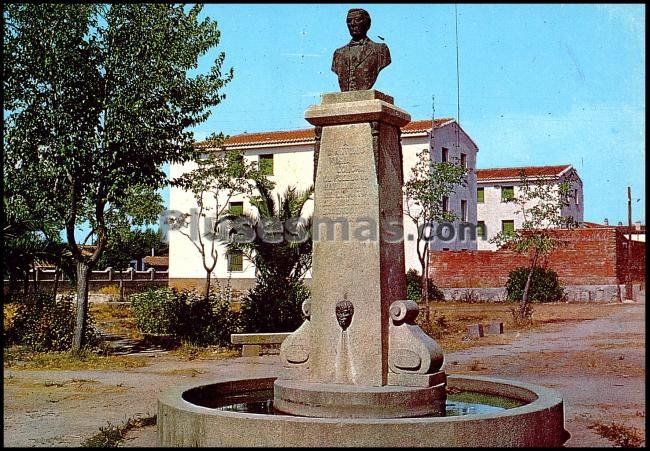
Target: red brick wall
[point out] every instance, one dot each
(584, 257)
(635, 266)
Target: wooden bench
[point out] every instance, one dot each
(252, 343)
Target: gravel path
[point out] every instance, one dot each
(597, 365)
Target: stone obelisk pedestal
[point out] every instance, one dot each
(359, 352)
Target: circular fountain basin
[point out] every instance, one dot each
(538, 422)
(310, 399)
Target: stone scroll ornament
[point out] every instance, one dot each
(358, 63)
(294, 350)
(410, 349)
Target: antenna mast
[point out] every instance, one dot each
(457, 79)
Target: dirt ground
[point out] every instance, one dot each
(594, 355)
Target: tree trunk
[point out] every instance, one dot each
(207, 284)
(425, 282)
(12, 286)
(26, 282)
(524, 297)
(56, 282)
(425, 293)
(35, 273)
(121, 286)
(83, 273)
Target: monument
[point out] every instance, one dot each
(358, 371)
(358, 63)
(367, 347)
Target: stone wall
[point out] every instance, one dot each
(573, 293)
(589, 256)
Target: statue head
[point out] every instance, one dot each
(358, 23)
(344, 312)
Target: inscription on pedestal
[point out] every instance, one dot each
(344, 183)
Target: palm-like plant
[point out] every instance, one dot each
(281, 251)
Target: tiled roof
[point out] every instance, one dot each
(154, 260)
(514, 173)
(274, 137)
(305, 135)
(621, 228)
(424, 125)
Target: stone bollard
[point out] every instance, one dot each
(494, 328)
(475, 330)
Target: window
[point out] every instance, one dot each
(481, 231)
(235, 261)
(576, 197)
(480, 195)
(463, 210)
(265, 164)
(507, 193)
(236, 208)
(508, 226)
(445, 155)
(445, 204)
(463, 160)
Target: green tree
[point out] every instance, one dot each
(281, 251)
(126, 244)
(540, 202)
(97, 97)
(219, 176)
(30, 238)
(428, 184)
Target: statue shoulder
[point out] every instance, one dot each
(340, 49)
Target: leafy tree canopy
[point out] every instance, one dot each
(97, 97)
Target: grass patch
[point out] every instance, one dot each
(622, 436)
(485, 399)
(187, 351)
(8, 310)
(111, 435)
(17, 357)
(117, 319)
(192, 372)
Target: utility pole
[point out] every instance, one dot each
(628, 285)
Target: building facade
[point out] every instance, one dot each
(287, 158)
(494, 186)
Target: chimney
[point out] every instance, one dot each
(637, 225)
(606, 222)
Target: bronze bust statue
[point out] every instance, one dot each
(358, 63)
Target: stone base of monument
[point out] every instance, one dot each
(359, 371)
(195, 416)
(356, 401)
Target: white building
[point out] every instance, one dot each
(494, 214)
(288, 157)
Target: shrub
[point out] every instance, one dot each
(273, 307)
(414, 287)
(186, 315)
(544, 285)
(622, 436)
(109, 289)
(435, 328)
(45, 324)
(469, 296)
(202, 321)
(155, 310)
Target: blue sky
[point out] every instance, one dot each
(539, 84)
